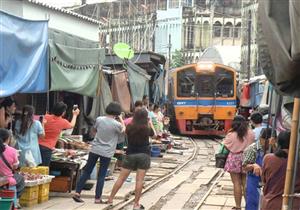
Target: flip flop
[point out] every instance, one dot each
(141, 207)
(77, 199)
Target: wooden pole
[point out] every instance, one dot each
(291, 155)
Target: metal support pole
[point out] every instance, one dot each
(291, 155)
(169, 46)
(249, 47)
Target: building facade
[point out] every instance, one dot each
(164, 26)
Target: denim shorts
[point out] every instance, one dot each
(136, 161)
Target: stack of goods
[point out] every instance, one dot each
(68, 155)
(37, 183)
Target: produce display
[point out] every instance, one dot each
(71, 142)
(35, 179)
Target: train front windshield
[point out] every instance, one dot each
(219, 84)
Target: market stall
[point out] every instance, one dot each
(67, 161)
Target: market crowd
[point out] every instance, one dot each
(257, 163)
(29, 140)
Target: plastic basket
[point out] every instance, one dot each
(7, 193)
(6, 204)
(30, 193)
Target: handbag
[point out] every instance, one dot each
(221, 157)
(20, 181)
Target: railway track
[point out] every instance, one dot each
(197, 173)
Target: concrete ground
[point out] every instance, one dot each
(179, 192)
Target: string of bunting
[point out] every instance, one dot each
(74, 66)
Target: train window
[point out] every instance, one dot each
(186, 83)
(205, 85)
(224, 83)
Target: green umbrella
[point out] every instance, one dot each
(123, 50)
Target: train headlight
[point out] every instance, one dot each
(205, 66)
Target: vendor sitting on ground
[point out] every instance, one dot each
(8, 160)
(54, 124)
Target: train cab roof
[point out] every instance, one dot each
(202, 66)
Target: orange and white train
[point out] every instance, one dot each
(202, 98)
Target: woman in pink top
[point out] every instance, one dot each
(236, 141)
(11, 156)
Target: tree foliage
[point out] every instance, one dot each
(178, 59)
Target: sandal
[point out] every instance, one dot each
(100, 201)
(77, 199)
(236, 208)
(141, 207)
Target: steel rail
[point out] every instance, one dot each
(209, 191)
(122, 204)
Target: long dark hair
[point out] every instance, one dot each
(4, 135)
(140, 118)
(283, 143)
(240, 126)
(26, 119)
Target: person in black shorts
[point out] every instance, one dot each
(137, 155)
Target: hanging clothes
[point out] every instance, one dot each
(120, 90)
(245, 96)
(23, 56)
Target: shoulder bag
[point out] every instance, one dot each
(221, 157)
(20, 181)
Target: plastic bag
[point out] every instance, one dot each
(29, 159)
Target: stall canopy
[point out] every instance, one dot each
(23, 55)
(158, 86)
(279, 48)
(75, 69)
(138, 80)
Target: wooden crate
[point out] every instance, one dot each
(60, 184)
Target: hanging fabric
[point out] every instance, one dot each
(23, 55)
(75, 69)
(120, 90)
(138, 79)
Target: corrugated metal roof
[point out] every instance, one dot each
(64, 11)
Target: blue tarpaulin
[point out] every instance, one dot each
(23, 55)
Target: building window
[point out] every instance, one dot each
(237, 30)
(227, 31)
(162, 4)
(217, 29)
(173, 3)
(190, 36)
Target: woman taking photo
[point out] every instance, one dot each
(107, 130)
(28, 131)
(236, 141)
(137, 155)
